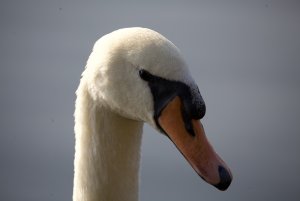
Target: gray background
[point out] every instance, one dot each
(244, 55)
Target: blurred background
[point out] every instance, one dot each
(244, 55)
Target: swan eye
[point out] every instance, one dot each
(145, 75)
(163, 91)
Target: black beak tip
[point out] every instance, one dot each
(225, 179)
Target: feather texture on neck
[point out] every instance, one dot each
(107, 152)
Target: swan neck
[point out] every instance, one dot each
(107, 152)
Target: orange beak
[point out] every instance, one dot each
(196, 149)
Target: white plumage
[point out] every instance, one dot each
(112, 104)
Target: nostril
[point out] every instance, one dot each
(225, 179)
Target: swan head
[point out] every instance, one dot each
(141, 75)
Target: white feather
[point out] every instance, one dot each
(112, 104)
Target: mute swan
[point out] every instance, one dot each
(136, 75)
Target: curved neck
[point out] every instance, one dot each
(107, 153)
